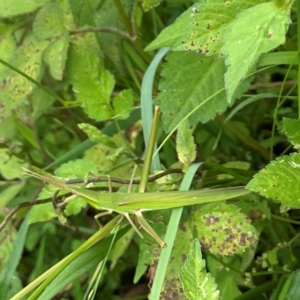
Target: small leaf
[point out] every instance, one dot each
(123, 103)
(55, 56)
(79, 168)
(91, 82)
(292, 131)
(223, 229)
(279, 180)
(49, 22)
(97, 136)
(185, 146)
(252, 33)
(197, 283)
(149, 4)
(41, 213)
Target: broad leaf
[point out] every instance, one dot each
(223, 229)
(279, 180)
(201, 28)
(197, 283)
(91, 82)
(191, 81)
(256, 30)
(292, 131)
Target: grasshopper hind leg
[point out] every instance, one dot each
(146, 226)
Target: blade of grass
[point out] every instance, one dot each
(47, 277)
(170, 237)
(146, 103)
(13, 261)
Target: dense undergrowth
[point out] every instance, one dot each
(78, 80)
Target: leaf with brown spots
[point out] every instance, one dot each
(201, 28)
(14, 88)
(49, 22)
(223, 230)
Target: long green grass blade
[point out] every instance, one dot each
(146, 102)
(170, 237)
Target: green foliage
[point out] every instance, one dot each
(197, 284)
(279, 180)
(243, 46)
(74, 76)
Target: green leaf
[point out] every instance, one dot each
(223, 229)
(292, 291)
(9, 8)
(49, 22)
(256, 30)
(14, 88)
(55, 56)
(7, 238)
(201, 28)
(197, 283)
(185, 145)
(123, 103)
(91, 82)
(79, 168)
(96, 135)
(10, 193)
(41, 213)
(292, 131)
(182, 246)
(226, 279)
(7, 48)
(108, 17)
(279, 180)
(190, 80)
(11, 165)
(149, 4)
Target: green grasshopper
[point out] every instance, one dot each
(135, 203)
